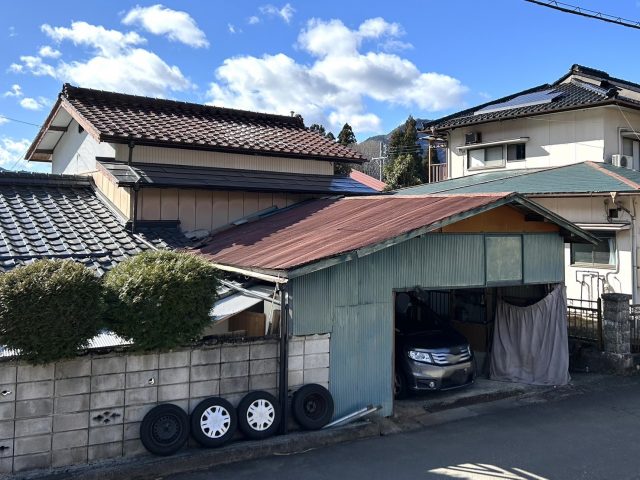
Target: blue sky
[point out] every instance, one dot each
(369, 63)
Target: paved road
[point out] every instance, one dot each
(592, 435)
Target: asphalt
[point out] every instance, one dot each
(590, 431)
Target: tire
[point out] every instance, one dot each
(164, 429)
(312, 406)
(259, 415)
(400, 387)
(213, 422)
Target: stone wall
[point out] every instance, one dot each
(90, 408)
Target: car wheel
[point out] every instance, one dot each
(312, 406)
(259, 415)
(213, 422)
(164, 429)
(400, 387)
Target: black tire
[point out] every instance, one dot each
(400, 386)
(213, 422)
(312, 406)
(259, 415)
(164, 429)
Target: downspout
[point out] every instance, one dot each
(130, 160)
(283, 384)
(134, 221)
(634, 259)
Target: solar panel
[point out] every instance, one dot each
(526, 100)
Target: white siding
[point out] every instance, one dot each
(615, 120)
(76, 152)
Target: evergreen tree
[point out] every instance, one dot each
(347, 138)
(402, 172)
(405, 150)
(316, 127)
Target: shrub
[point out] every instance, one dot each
(160, 300)
(49, 309)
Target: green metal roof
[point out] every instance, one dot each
(579, 178)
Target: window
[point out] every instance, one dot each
(603, 254)
(489, 157)
(504, 258)
(516, 152)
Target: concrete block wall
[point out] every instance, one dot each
(88, 409)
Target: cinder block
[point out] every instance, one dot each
(295, 378)
(132, 430)
(34, 408)
(105, 434)
(316, 346)
(174, 359)
(263, 350)
(235, 398)
(204, 389)
(317, 375)
(7, 447)
(205, 372)
(33, 426)
(35, 373)
(296, 346)
(134, 448)
(7, 411)
(8, 374)
(100, 383)
(259, 367)
(8, 392)
(234, 369)
(316, 360)
(6, 429)
(72, 404)
(70, 456)
(137, 412)
(193, 402)
(103, 451)
(235, 353)
(6, 465)
(70, 421)
(29, 390)
(28, 445)
(143, 378)
(234, 385)
(136, 396)
(205, 356)
(72, 439)
(263, 382)
(105, 366)
(31, 462)
(108, 399)
(296, 363)
(174, 375)
(166, 393)
(137, 363)
(73, 386)
(103, 417)
(73, 368)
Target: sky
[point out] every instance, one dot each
(370, 64)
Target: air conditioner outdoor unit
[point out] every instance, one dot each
(624, 161)
(471, 138)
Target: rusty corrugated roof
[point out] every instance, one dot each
(329, 227)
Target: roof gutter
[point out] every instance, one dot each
(278, 277)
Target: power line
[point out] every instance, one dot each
(19, 121)
(584, 12)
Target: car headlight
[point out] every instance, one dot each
(423, 357)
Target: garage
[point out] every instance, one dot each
(341, 263)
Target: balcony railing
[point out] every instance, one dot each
(438, 172)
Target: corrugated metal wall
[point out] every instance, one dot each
(354, 301)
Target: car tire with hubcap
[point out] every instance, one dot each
(259, 415)
(312, 406)
(400, 387)
(164, 429)
(213, 422)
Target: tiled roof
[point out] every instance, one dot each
(579, 178)
(181, 176)
(120, 118)
(571, 95)
(60, 216)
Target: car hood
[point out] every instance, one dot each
(433, 339)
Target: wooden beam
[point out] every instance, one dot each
(44, 152)
(56, 128)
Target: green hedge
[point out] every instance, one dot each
(49, 309)
(160, 300)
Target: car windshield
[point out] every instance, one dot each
(414, 316)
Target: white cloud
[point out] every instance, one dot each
(34, 104)
(343, 77)
(233, 29)
(12, 150)
(49, 52)
(12, 32)
(14, 91)
(253, 20)
(116, 63)
(178, 26)
(3, 120)
(285, 13)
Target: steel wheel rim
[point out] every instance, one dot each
(215, 421)
(166, 429)
(314, 406)
(261, 415)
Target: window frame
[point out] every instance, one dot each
(524, 151)
(604, 235)
(504, 159)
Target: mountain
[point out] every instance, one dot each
(370, 148)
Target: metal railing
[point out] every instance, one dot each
(584, 320)
(438, 172)
(634, 320)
